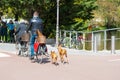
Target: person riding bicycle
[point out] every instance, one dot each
(36, 23)
(22, 29)
(20, 32)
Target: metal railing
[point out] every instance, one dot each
(95, 40)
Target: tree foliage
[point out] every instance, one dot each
(109, 10)
(73, 13)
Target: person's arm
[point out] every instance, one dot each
(42, 26)
(17, 30)
(29, 26)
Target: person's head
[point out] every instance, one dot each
(35, 14)
(11, 21)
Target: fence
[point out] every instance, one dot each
(95, 40)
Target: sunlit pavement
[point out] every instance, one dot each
(83, 65)
(4, 55)
(9, 47)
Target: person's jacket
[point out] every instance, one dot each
(22, 28)
(11, 26)
(35, 23)
(3, 29)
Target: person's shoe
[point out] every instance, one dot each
(46, 54)
(19, 53)
(31, 57)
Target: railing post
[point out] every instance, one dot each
(70, 39)
(105, 39)
(95, 44)
(92, 42)
(60, 35)
(76, 39)
(113, 44)
(76, 36)
(64, 34)
(83, 41)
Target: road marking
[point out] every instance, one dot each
(114, 60)
(4, 55)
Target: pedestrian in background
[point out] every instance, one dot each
(0, 30)
(11, 27)
(4, 32)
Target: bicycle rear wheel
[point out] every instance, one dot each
(39, 54)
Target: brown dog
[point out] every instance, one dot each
(40, 37)
(54, 57)
(62, 53)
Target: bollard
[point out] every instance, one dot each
(113, 44)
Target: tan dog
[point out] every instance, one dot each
(62, 53)
(54, 57)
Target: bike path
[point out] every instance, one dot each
(79, 67)
(10, 48)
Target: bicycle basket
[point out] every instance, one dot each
(25, 37)
(41, 39)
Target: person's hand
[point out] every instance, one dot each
(14, 33)
(27, 31)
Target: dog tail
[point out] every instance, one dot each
(65, 53)
(56, 58)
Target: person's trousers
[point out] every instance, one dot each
(11, 36)
(32, 40)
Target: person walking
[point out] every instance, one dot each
(36, 23)
(4, 32)
(0, 30)
(22, 29)
(11, 27)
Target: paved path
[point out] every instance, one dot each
(81, 66)
(7, 47)
(4, 55)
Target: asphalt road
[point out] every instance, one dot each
(81, 66)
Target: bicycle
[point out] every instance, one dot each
(23, 45)
(40, 51)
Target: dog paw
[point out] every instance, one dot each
(56, 64)
(65, 62)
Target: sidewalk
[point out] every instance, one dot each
(9, 47)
